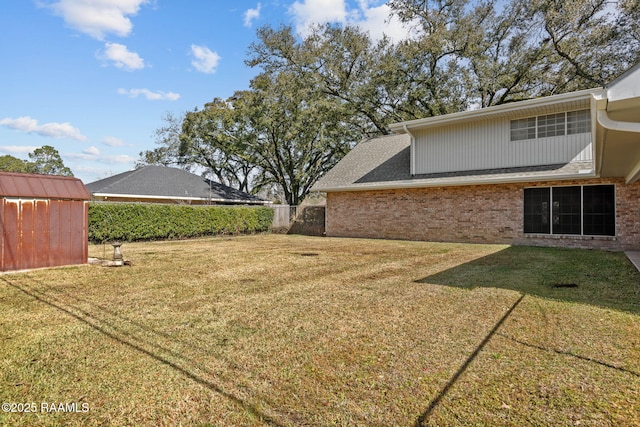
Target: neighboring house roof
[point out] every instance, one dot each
(161, 183)
(42, 186)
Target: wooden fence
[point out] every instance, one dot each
(283, 216)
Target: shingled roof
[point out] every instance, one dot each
(385, 163)
(161, 183)
(375, 160)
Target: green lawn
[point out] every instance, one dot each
(292, 330)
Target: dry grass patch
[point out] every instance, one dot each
(290, 330)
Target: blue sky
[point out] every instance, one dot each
(93, 78)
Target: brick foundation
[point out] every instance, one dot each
(470, 214)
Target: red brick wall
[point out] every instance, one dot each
(474, 214)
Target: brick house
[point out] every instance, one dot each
(561, 170)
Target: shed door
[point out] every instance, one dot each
(22, 227)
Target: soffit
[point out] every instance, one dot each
(529, 108)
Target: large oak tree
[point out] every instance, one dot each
(314, 97)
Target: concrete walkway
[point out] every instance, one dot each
(634, 257)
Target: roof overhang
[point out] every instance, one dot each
(530, 107)
(586, 173)
(618, 130)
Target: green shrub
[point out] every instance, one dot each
(128, 222)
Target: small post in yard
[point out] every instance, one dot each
(117, 254)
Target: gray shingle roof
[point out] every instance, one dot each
(385, 162)
(163, 182)
(379, 159)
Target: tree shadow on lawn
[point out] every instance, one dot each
(172, 359)
(599, 278)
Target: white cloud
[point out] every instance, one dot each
(204, 60)
(93, 154)
(122, 158)
(112, 141)
(151, 96)
(17, 149)
(309, 12)
(92, 151)
(52, 130)
(98, 18)
(379, 22)
(122, 57)
(371, 16)
(251, 15)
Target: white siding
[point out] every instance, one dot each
(486, 145)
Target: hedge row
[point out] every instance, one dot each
(129, 222)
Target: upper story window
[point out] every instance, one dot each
(551, 125)
(569, 123)
(523, 129)
(578, 122)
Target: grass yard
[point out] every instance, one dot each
(276, 330)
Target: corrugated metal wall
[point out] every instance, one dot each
(43, 220)
(42, 233)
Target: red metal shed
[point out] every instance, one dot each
(44, 221)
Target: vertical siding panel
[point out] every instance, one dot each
(85, 232)
(66, 242)
(492, 138)
(41, 232)
(54, 233)
(76, 233)
(486, 145)
(471, 148)
(27, 252)
(2, 200)
(11, 234)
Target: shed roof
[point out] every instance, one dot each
(25, 185)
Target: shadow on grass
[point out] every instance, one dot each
(603, 279)
(149, 349)
(424, 417)
(599, 278)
